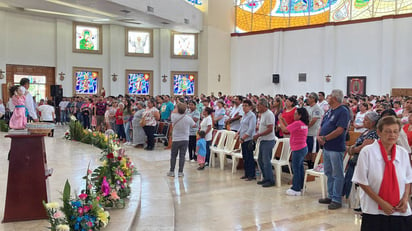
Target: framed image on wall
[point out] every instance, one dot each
(356, 85)
(87, 38)
(139, 42)
(183, 83)
(139, 82)
(87, 81)
(184, 45)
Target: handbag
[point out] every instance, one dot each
(143, 122)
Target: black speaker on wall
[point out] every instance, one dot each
(275, 78)
(56, 91)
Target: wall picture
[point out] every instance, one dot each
(87, 81)
(184, 45)
(139, 82)
(139, 42)
(356, 85)
(184, 83)
(87, 38)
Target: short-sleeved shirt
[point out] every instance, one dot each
(100, 108)
(165, 110)
(220, 112)
(267, 118)
(298, 134)
(369, 171)
(333, 119)
(314, 112)
(248, 125)
(194, 114)
(235, 125)
(203, 127)
(46, 112)
(359, 121)
(201, 144)
(181, 127)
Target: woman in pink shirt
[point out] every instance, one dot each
(298, 130)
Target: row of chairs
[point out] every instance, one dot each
(225, 144)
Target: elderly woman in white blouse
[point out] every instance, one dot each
(384, 174)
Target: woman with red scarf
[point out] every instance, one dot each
(384, 173)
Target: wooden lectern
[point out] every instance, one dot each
(26, 184)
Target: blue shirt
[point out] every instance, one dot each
(201, 145)
(166, 110)
(333, 119)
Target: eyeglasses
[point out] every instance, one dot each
(388, 131)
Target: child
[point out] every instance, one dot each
(201, 150)
(18, 119)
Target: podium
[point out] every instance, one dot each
(26, 182)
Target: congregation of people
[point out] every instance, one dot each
(378, 173)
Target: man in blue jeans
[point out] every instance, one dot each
(332, 136)
(266, 135)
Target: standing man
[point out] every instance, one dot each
(266, 135)
(332, 136)
(235, 114)
(315, 117)
(166, 109)
(323, 104)
(29, 104)
(246, 132)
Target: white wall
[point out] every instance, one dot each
(30, 40)
(380, 50)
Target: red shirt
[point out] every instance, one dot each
(289, 116)
(408, 133)
(119, 116)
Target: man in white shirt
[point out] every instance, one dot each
(47, 113)
(323, 104)
(63, 113)
(315, 117)
(25, 82)
(235, 114)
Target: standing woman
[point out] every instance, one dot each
(287, 116)
(180, 138)
(151, 115)
(277, 108)
(206, 126)
(127, 113)
(246, 132)
(119, 122)
(298, 134)
(384, 173)
(139, 137)
(407, 128)
(195, 115)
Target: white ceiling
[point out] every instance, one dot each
(176, 15)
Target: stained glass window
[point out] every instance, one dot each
(257, 15)
(138, 83)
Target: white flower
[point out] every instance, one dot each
(52, 205)
(63, 228)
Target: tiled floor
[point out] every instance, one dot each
(201, 200)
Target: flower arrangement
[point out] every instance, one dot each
(112, 179)
(78, 133)
(83, 212)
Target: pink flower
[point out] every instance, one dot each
(105, 187)
(80, 211)
(58, 215)
(86, 209)
(90, 186)
(114, 195)
(98, 198)
(89, 171)
(90, 224)
(83, 196)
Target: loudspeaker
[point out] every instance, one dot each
(56, 91)
(275, 78)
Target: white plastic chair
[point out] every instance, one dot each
(316, 173)
(229, 146)
(217, 144)
(283, 160)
